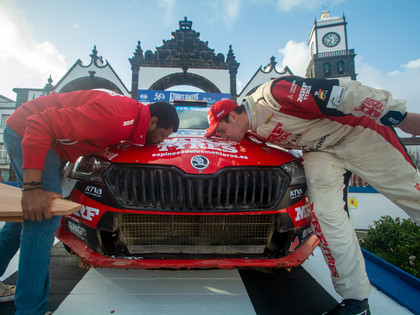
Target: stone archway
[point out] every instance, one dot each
(89, 83)
(184, 60)
(185, 79)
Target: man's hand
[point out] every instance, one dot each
(36, 204)
(410, 124)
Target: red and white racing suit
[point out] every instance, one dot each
(342, 126)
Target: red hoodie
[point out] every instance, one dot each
(76, 124)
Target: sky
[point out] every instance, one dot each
(47, 37)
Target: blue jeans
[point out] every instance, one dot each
(34, 238)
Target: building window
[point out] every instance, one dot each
(340, 67)
(327, 69)
(4, 158)
(3, 121)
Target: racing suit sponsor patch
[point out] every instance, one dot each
(278, 134)
(392, 118)
(319, 144)
(336, 97)
(370, 108)
(268, 119)
(304, 92)
(324, 244)
(322, 94)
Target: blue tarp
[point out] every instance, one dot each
(399, 285)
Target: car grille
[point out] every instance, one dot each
(196, 234)
(170, 189)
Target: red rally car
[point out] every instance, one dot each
(189, 202)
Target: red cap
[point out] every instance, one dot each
(219, 110)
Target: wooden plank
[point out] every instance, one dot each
(11, 219)
(411, 141)
(11, 210)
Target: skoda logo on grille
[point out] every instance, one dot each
(199, 162)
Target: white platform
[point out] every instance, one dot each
(158, 292)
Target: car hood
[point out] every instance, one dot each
(197, 154)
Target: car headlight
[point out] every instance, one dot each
(89, 168)
(295, 171)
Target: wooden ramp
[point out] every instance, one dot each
(11, 210)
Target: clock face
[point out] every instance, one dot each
(331, 39)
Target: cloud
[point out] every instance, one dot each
(400, 82)
(227, 10)
(168, 6)
(24, 62)
(414, 64)
(231, 12)
(288, 5)
(295, 56)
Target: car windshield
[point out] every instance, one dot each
(192, 117)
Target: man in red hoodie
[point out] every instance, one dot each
(40, 136)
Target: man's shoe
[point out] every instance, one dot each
(351, 307)
(7, 292)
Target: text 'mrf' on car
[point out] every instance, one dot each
(189, 202)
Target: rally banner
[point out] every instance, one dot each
(151, 96)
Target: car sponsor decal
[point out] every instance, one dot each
(197, 146)
(199, 162)
(77, 230)
(93, 191)
(191, 144)
(294, 244)
(87, 213)
(172, 154)
(296, 193)
(301, 213)
(306, 233)
(107, 154)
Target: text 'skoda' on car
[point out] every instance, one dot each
(189, 202)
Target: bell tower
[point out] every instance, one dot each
(330, 55)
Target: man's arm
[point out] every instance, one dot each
(410, 124)
(35, 201)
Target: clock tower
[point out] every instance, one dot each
(330, 56)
